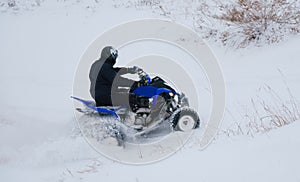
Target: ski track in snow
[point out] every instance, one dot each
(40, 139)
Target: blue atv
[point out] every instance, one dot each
(153, 101)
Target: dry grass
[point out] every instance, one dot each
(268, 112)
(240, 23)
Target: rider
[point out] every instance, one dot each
(105, 79)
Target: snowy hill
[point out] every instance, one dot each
(39, 137)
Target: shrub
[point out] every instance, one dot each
(243, 22)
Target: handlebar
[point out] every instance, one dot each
(144, 77)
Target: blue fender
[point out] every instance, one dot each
(151, 92)
(90, 104)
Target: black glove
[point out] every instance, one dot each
(134, 70)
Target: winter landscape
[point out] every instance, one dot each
(42, 42)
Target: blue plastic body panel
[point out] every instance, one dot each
(151, 92)
(90, 104)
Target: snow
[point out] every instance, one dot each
(40, 139)
(265, 157)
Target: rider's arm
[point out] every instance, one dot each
(111, 75)
(122, 70)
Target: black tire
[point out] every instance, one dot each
(185, 117)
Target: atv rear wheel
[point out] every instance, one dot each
(185, 120)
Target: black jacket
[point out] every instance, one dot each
(103, 76)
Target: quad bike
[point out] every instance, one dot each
(152, 102)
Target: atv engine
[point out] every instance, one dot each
(142, 116)
(141, 108)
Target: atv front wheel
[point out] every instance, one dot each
(185, 120)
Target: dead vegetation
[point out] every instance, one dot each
(241, 23)
(269, 111)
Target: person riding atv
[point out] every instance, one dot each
(141, 105)
(106, 79)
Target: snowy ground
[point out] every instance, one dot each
(39, 140)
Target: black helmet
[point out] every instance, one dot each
(109, 51)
